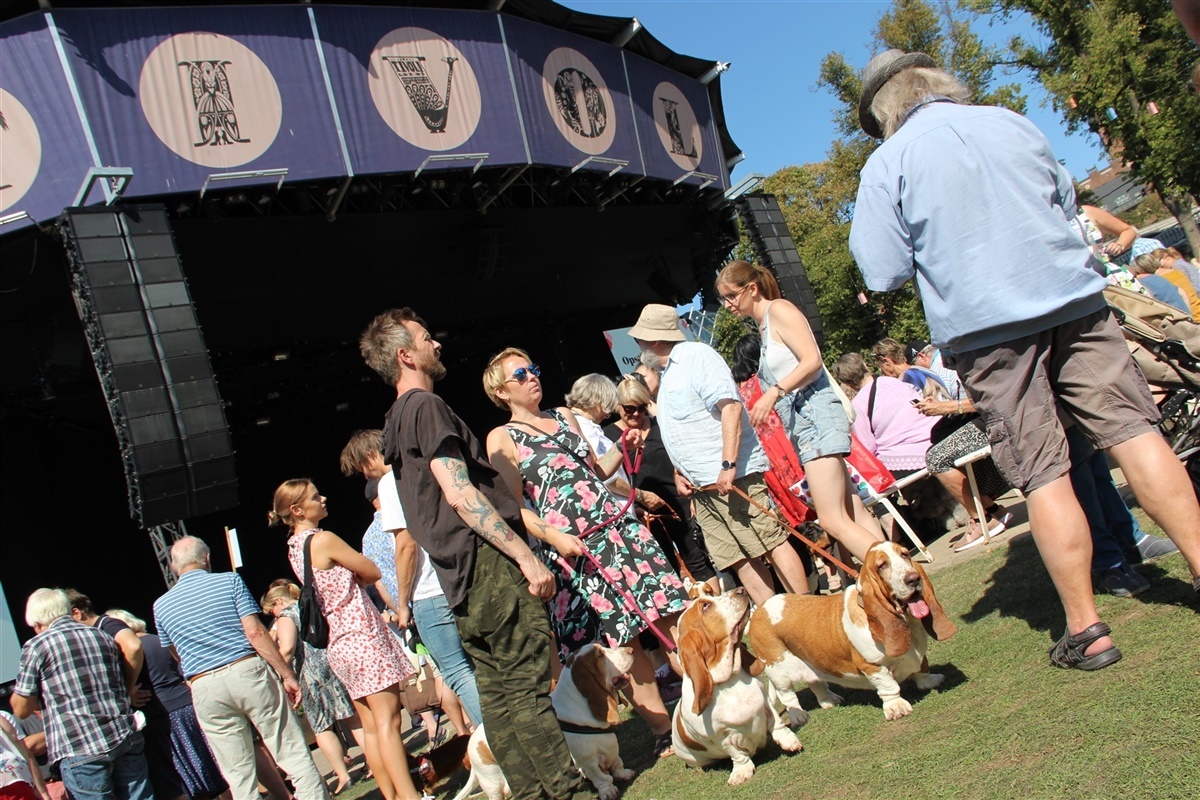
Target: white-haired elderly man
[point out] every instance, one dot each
(708, 436)
(72, 673)
(210, 622)
(970, 202)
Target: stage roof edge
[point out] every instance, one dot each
(594, 26)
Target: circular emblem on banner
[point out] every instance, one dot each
(20, 150)
(579, 101)
(424, 89)
(677, 127)
(210, 99)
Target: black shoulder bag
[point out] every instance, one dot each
(314, 628)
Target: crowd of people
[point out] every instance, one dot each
(507, 554)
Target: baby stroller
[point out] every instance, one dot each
(1165, 344)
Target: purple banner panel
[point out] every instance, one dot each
(44, 154)
(675, 124)
(574, 98)
(415, 83)
(180, 94)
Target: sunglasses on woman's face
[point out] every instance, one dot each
(631, 410)
(523, 374)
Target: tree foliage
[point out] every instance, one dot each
(1120, 68)
(818, 199)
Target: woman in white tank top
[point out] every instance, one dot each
(795, 384)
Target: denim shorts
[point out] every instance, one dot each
(819, 425)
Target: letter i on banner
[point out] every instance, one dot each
(235, 550)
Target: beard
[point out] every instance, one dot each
(653, 360)
(432, 366)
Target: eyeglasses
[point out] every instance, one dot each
(637, 376)
(732, 299)
(522, 374)
(631, 410)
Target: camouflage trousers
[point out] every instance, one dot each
(506, 631)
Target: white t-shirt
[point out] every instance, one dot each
(392, 518)
(13, 766)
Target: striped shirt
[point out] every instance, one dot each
(201, 617)
(75, 670)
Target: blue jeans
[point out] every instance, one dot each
(120, 773)
(1115, 531)
(435, 623)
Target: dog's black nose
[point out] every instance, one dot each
(739, 590)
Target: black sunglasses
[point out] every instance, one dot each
(637, 376)
(523, 374)
(631, 410)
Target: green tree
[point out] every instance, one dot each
(818, 199)
(1120, 68)
(728, 329)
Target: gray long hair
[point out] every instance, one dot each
(904, 92)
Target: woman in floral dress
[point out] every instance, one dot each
(543, 457)
(362, 652)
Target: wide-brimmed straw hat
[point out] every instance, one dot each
(881, 69)
(657, 323)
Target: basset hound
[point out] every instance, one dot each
(724, 712)
(874, 636)
(585, 702)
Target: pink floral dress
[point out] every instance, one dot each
(363, 653)
(567, 494)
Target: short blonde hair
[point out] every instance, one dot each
(494, 377)
(136, 624)
(359, 450)
(46, 605)
(631, 391)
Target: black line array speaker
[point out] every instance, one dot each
(153, 365)
(774, 248)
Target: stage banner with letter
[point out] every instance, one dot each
(44, 154)
(180, 94)
(574, 98)
(675, 124)
(414, 83)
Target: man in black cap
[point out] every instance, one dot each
(952, 189)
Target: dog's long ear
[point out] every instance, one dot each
(937, 624)
(587, 672)
(694, 651)
(884, 618)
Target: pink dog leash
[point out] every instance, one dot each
(631, 466)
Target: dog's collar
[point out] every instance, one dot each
(571, 727)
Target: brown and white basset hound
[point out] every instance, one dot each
(585, 702)
(724, 712)
(874, 636)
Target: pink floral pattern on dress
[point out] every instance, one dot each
(363, 652)
(562, 487)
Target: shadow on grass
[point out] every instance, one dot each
(1021, 589)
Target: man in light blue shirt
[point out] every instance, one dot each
(708, 436)
(970, 202)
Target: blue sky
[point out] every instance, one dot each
(772, 106)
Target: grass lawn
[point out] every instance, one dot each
(1005, 724)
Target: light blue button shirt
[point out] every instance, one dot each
(971, 202)
(695, 380)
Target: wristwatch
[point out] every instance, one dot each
(728, 465)
(778, 388)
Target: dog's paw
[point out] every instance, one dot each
(929, 681)
(741, 774)
(609, 792)
(797, 717)
(829, 700)
(624, 775)
(787, 740)
(895, 709)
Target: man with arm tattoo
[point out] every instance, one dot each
(470, 525)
